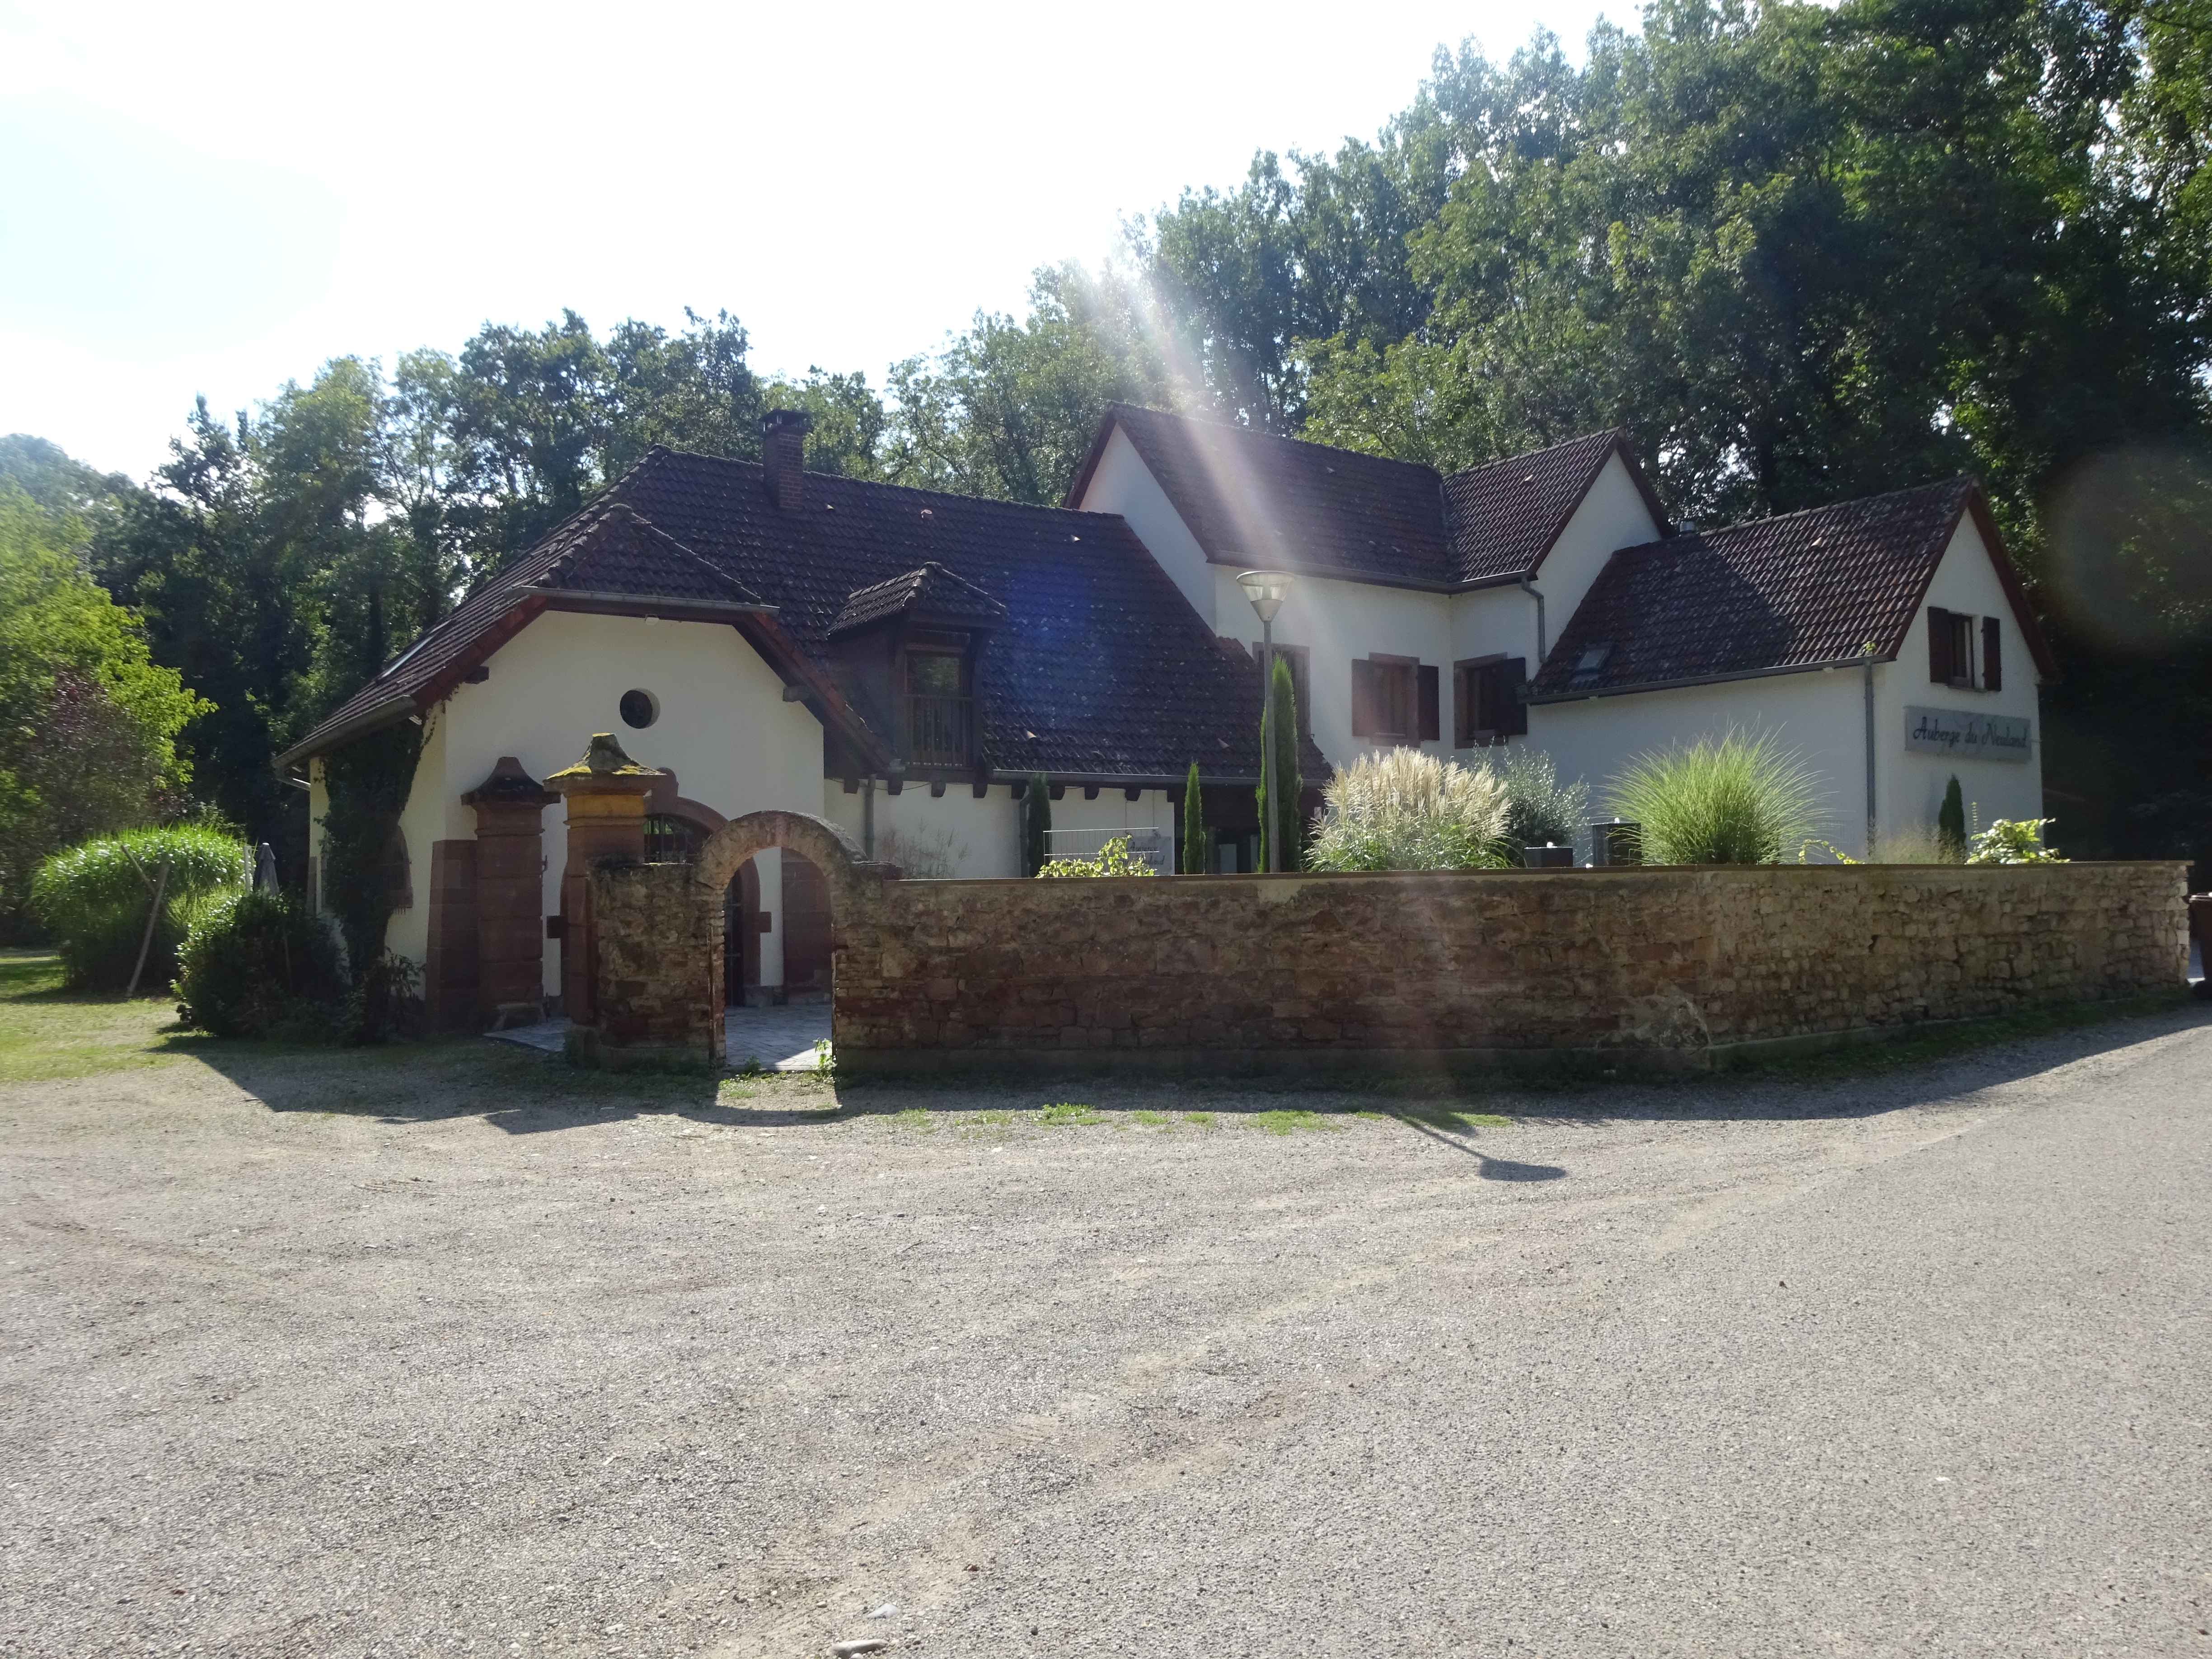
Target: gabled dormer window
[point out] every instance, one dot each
(941, 705)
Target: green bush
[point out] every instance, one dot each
(1113, 859)
(1403, 810)
(261, 964)
(1539, 808)
(95, 898)
(1736, 799)
(2011, 840)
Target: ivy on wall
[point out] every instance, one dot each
(367, 782)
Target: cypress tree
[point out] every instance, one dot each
(1037, 818)
(1951, 823)
(1282, 725)
(1197, 845)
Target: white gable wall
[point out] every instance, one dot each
(734, 744)
(1910, 783)
(1122, 483)
(1612, 516)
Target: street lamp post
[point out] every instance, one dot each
(1267, 589)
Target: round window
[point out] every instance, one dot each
(640, 709)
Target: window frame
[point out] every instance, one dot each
(1468, 674)
(1385, 669)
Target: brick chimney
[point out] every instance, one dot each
(783, 447)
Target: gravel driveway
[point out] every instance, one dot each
(453, 1350)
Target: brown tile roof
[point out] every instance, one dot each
(932, 590)
(1799, 590)
(613, 550)
(1504, 516)
(1101, 668)
(1251, 498)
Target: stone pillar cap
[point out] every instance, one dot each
(509, 786)
(605, 768)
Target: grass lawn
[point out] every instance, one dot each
(47, 1032)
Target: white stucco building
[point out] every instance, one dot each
(901, 662)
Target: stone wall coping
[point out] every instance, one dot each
(1610, 872)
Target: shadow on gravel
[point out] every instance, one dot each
(522, 1093)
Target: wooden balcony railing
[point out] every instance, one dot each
(939, 731)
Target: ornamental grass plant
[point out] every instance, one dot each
(96, 897)
(1405, 810)
(1740, 798)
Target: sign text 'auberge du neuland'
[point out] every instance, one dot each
(1964, 735)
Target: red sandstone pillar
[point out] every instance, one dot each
(510, 895)
(606, 792)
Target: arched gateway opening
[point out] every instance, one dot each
(776, 931)
(795, 897)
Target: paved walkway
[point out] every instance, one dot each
(781, 1039)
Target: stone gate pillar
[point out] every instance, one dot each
(606, 792)
(510, 895)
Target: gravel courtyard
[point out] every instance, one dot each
(448, 1349)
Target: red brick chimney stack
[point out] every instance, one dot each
(783, 446)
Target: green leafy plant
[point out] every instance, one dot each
(1113, 859)
(1197, 840)
(95, 899)
(261, 964)
(1539, 808)
(367, 782)
(2011, 840)
(1405, 810)
(1734, 799)
(1951, 824)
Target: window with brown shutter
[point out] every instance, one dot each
(1992, 656)
(1363, 698)
(1386, 698)
(1486, 704)
(1950, 648)
(1431, 719)
(1512, 714)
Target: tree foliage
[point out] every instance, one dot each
(87, 719)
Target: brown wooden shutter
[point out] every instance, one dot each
(1431, 713)
(1512, 712)
(1363, 698)
(1463, 707)
(1992, 666)
(1939, 645)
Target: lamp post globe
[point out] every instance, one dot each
(1267, 589)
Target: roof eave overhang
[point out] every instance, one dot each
(1337, 573)
(375, 718)
(1857, 660)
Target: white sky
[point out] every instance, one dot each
(215, 199)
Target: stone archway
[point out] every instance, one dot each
(852, 881)
(657, 961)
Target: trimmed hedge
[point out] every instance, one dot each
(95, 898)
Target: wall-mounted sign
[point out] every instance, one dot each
(1963, 735)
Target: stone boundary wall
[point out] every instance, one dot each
(1298, 973)
(1287, 973)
